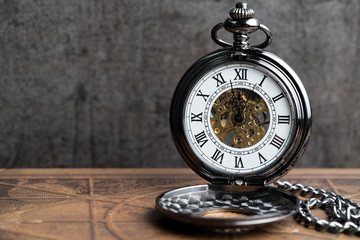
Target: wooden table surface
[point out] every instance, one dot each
(119, 204)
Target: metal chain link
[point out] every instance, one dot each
(343, 214)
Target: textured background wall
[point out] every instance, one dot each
(89, 83)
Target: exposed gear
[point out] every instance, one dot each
(240, 118)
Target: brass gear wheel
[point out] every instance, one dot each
(240, 118)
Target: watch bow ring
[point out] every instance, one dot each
(241, 24)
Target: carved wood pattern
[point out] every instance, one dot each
(119, 204)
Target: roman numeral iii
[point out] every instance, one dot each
(283, 119)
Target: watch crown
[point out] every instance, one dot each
(241, 11)
(241, 24)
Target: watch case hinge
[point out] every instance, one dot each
(220, 181)
(248, 182)
(256, 182)
(238, 182)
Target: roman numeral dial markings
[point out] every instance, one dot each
(236, 118)
(196, 117)
(200, 94)
(278, 97)
(219, 79)
(261, 158)
(238, 162)
(201, 138)
(241, 74)
(283, 119)
(262, 81)
(218, 156)
(277, 141)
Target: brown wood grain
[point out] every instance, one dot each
(119, 204)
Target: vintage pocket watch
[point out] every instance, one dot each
(240, 118)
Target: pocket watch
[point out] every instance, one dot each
(240, 118)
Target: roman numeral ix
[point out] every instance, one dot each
(196, 117)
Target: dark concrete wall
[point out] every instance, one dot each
(89, 83)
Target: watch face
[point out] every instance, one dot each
(239, 119)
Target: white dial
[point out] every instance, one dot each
(239, 119)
